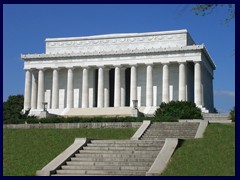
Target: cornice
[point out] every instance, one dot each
(112, 53)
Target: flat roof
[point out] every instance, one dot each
(120, 35)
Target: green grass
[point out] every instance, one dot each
(28, 150)
(214, 155)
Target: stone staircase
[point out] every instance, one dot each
(112, 158)
(215, 116)
(162, 130)
(147, 153)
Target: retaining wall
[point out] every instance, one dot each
(74, 125)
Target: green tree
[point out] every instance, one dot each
(205, 9)
(232, 114)
(12, 109)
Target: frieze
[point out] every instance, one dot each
(116, 41)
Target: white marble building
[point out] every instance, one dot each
(102, 74)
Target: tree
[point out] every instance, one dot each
(12, 109)
(232, 114)
(205, 9)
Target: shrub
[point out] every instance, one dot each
(175, 110)
(84, 119)
(232, 114)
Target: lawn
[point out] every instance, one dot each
(214, 155)
(28, 150)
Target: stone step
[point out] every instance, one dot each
(106, 167)
(102, 159)
(174, 123)
(122, 148)
(152, 144)
(209, 116)
(170, 134)
(217, 116)
(120, 141)
(214, 114)
(170, 131)
(100, 172)
(112, 163)
(157, 138)
(149, 155)
(173, 128)
(117, 151)
(213, 118)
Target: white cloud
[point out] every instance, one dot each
(224, 93)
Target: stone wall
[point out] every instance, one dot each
(74, 125)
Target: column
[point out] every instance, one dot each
(27, 91)
(197, 84)
(106, 87)
(100, 97)
(85, 97)
(182, 82)
(123, 86)
(117, 87)
(34, 90)
(149, 86)
(133, 85)
(70, 88)
(55, 89)
(165, 86)
(40, 89)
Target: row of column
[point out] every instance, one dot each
(35, 99)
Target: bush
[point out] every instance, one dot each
(84, 119)
(232, 114)
(175, 110)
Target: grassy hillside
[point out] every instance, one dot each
(214, 155)
(25, 151)
(28, 150)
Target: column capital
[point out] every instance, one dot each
(149, 64)
(70, 67)
(119, 66)
(133, 65)
(101, 66)
(56, 68)
(182, 62)
(85, 67)
(165, 63)
(41, 69)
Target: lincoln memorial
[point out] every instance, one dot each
(103, 74)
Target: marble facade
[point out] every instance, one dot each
(111, 70)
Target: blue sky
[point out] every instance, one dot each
(25, 28)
